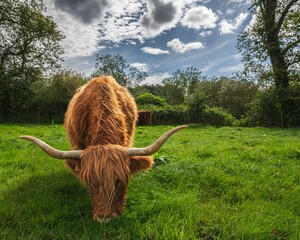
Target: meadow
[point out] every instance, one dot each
(207, 183)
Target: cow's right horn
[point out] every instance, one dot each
(52, 151)
(153, 148)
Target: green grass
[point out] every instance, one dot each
(209, 183)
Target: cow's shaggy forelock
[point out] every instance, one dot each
(105, 170)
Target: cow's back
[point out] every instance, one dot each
(101, 112)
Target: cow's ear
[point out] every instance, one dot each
(139, 163)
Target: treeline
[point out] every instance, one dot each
(220, 101)
(185, 97)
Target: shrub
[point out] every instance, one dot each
(218, 117)
(267, 109)
(150, 99)
(167, 114)
(196, 106)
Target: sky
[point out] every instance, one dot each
(156, 36)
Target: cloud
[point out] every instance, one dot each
(205, 33)
(237, 1)
(141, 66)
(154, 51)
(139, 20)
(233, 68)
(179, 47)
(80, 39)
(228, 27)
(159, 17)
(156, 78)
(199, 17)
(251, 24)
(161, 13)
(122, 23)
(85, 10)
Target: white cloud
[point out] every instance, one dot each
(121, 22)
(218, 61)
(230, 11)
(179, 47)
(205, 33)
(154, 51)
(236, 1)
(155, 78)
(212, 64)
(228, 27)
(233, 68)
(140, 20)
(80, 39)
(251, 23)
(141, 66)
(199, 17)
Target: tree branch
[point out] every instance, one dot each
(291, 63)
(283, 15)
(289, 46)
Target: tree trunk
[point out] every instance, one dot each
(278, 62)
(275, 52)
(279, 65)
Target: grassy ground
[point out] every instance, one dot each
(210, 183)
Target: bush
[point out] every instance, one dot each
(168, 114)
(267, 109)
(218, 117)
(150, 99)
(196, 106)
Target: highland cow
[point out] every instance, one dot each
(144, 118)
(100, 124)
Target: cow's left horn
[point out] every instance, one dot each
(52, 151)
(153, 148)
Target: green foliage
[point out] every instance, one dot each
(274, 37)
(29, 45)
(232, 94)
(196, 106)
(117, 66)
(181, 84)
(217, 116)
(51, 95)
(173, 93)
(150, 99)
(167, 114)
(266, 110)
(223, 183)
(161, 160)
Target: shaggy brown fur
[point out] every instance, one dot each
(101, 119)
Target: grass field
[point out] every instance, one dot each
(209, 183)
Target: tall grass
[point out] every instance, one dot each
(208, 183)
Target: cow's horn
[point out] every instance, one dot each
(52, 151)
(156, 145)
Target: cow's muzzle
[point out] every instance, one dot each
(105, 218)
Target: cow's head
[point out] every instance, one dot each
(106, 169)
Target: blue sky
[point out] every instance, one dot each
(158, 36)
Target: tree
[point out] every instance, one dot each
(233, 95)
(173, 92)
(196, 106)
(29, 45)
(181, 84)
(274, 38)
(117, 66)
(52, 95)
